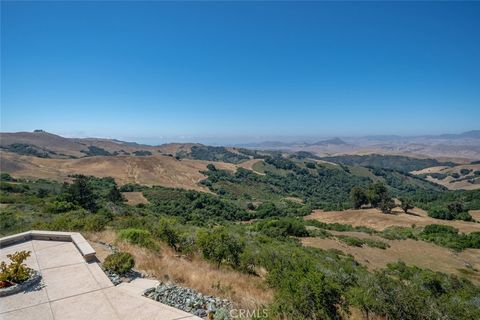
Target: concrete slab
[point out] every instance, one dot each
(128, 304)
(73, 289)
(38, 312)
(57, 256)
(44, 244)
(68, 281)
(21, 300)
(99, 275)
(92, 305)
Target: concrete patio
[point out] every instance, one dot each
(74, 288)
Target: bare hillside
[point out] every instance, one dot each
(375, 219)
(465, 177)
(152, 170)
(44, 144)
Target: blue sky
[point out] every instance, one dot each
(225, 71)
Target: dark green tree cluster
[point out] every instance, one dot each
(209, 153)
(398, 163)
(376, 195)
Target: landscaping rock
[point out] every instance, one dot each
(188, 300)
(34, 279)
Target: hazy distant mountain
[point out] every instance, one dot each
(43, 144)
(474, 134)
(333, 141)
(268, 144)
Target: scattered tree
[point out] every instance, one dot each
(386, 204)
(377, 191)
(80, 193)
(455, 207)
(114, 195)
(167, 232)
(358, 197)
(217, 245)
(405, 204)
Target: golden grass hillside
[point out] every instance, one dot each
(245, 291)
(419, 253)
(449, 181)
(377, 220)
(151, 170)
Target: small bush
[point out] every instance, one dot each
(218, 245)
(95, 222)
(6, 177)
(59, 206)
(119, 262)
(398, 233)
(16, 272)
(139, 237)
(357, 242)
(376, 244)
(351, 241)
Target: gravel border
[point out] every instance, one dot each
(34, 279)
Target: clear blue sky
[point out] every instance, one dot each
(154, 71)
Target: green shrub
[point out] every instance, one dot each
(16, 271)
(372, 243)
(358, 242)
(119, 262)
(453, 211)
(59, 206)
(351, 241)
(218, 245)
(282, 227)
(449, 237)
(167, 231)
(95, 222)
(6, 177)
(398, 233)
(139, 237)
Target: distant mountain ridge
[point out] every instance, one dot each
(47, 145)
(333, 141)
(463, 147)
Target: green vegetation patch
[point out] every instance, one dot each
(210, 153)
(28, 149)
(398, 163)
(119, 262)
(359, 242)
(138, 237)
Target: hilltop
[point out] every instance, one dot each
(47, 145)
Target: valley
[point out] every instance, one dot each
(257, 226)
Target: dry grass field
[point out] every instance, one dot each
(377, 220)
(152, 170)
(419, 253)
(449, 181)
(134, 198)
(244, 290)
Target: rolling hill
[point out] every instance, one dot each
(152, 170)
(47, 145)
